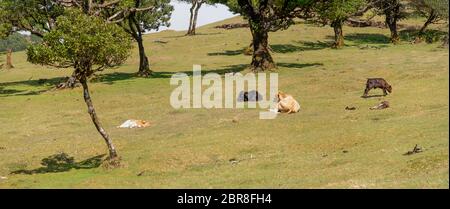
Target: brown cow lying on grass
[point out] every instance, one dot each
(287, 103)
(382, 105)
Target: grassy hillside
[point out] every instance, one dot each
(323, 146)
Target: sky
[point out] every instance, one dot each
(180, 16)
(207, 14)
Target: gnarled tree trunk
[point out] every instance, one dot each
(191, 18)
(392, 14)
(394, 33)
(431, 18)
(144, 64)
(196, 5)
(194, 23)
(70, 82)
(87, 98)
(445, 42)
(9, 64)
(338, 34)
(261, 60)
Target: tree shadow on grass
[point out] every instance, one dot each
(280, 48)
(220, 71)
(197, 34)
(62, 163)
(366, 38)
(7, 89)
(373, 96)
(303, 46)
(13, 92)
(111, 78)
(228, 69)
(298, 65)
(35, 82)
(429, 35)
(227, 53)
(285, 48)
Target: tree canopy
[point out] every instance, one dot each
(441, 6)
(195, 7)
(135, 16)
(88, 44)
(137, 22)
(17, 42)
(81, 42)
(336, 12)
(34, 16)
(266, 16)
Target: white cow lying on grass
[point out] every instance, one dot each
(135, 124)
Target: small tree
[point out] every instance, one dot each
(393, 11)
(441, 8)
(266, 16)
(9, 64)
(88, 45)
(4, 31)
(35, 16)
(336, 12)
(137, 18)
(195, 7)
(425, 10)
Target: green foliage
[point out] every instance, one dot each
(272, 15)
(309, 155)
(429, 36)
(203, 1)
(35, 16)
(265, 17)
(278, 6)
(5, 26)
(82, 41)
(441, 6)
(395, 9)
(157, 17)
(338, 10)
(17, 42)
(147, 14)
(432, 36)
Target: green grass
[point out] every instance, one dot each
(191, 148)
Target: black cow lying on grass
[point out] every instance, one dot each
(377, 83)
(252, 96)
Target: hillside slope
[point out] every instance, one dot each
(323, 146)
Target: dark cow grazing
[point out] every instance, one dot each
(377, 83)
(350, 108)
